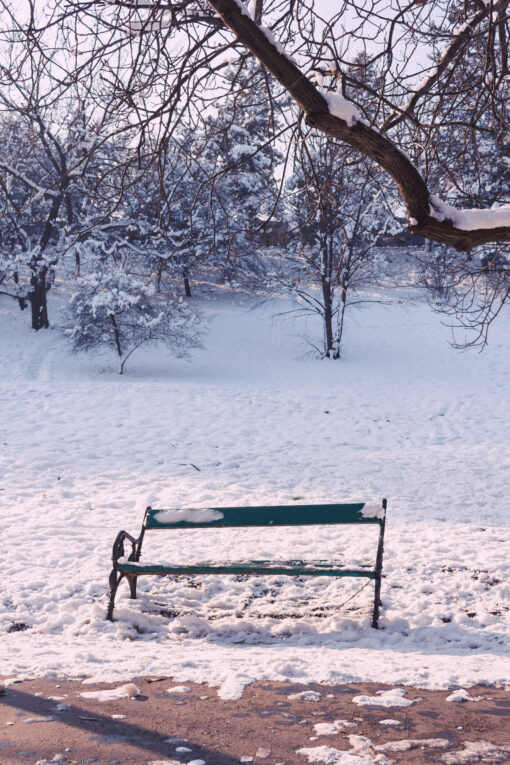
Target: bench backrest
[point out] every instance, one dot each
(277, 515)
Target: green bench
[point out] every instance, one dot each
(131, 568)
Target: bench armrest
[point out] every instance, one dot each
(118, 547)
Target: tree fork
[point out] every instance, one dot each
(361, 137)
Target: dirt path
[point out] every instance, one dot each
(264, 725)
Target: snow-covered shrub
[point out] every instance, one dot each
(114, 309)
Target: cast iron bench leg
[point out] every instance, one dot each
(377, 603)
(114, 581)
(378, 571)
(132, 585)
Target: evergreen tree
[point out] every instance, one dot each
(168, 210)
(238, 155)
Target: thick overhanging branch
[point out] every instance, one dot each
(360, 136)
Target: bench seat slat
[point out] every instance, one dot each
(273, 568)
(276, 515)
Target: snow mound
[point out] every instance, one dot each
(129, 690)
(361, 753)
(392, 698)
(478, 751)
(304, 696)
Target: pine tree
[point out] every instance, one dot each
(238, 155)
(168, 210)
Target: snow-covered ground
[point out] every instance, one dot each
(251, 420)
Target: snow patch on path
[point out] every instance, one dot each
(127, 691)
(404, 745)
(330, 729)
(478, 751)
(233, 686)
(304, 696)
(39, 719)
(462, 695)
(391, 698)
(361, 753)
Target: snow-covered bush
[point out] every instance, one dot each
(114, 309)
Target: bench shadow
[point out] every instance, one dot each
(101, 726)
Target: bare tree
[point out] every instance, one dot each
(470, 292)
(55, 176)
(335, 209)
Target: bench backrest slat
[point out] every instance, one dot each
(278, 515)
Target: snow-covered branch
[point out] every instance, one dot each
(323, 115)
(38, 190)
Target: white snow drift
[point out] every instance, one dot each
(252, 421)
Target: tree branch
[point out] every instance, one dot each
(461, 38)
(359, 135)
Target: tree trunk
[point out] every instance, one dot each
(340, 323)
(38, 300)
(38, 281)
(159, 275)
(22, 302)
(329, 346)
(187, 288)
(117, 343)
